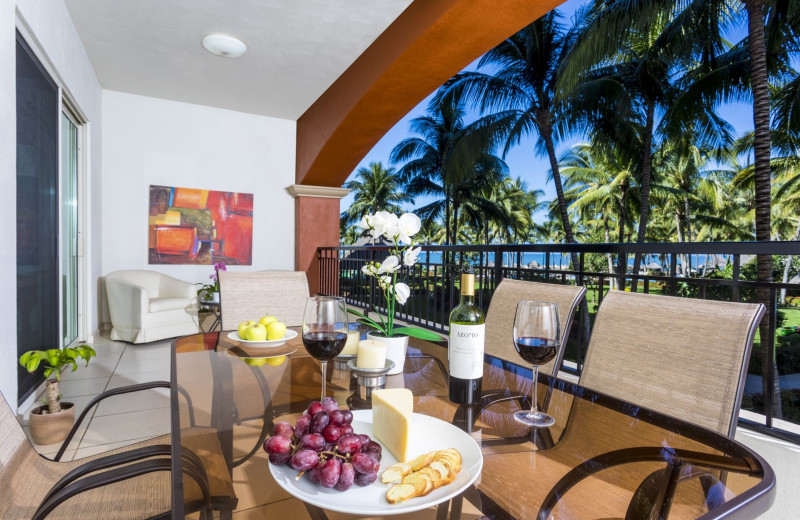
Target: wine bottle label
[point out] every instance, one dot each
(465, 350)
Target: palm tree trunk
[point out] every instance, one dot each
(447, 215)
(647, 161)
(547, 136)
(609, 259)
(761, 152)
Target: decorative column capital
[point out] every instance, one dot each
(322, 192)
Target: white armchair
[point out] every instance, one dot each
(147, 306)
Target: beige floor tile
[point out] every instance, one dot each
(142, 365)
(78, 387)
(134, 402)
(122, 379)
(146, 352)
(127, 426)
(97, 368)
(81, 453)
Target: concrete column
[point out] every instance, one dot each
(316, 216)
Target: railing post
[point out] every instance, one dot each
(772, 316)
(735, 296)
(498, 266)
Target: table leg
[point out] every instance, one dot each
(441, 510)
(315, 512)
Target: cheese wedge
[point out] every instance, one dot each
(391, 418)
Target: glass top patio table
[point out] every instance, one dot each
(603, 457)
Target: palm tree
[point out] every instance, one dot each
(521, 92)
(376, 188)
(446, 155)
(598, 180)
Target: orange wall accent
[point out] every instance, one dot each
(316, 225)
(426, 45)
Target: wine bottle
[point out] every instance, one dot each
(465, 350)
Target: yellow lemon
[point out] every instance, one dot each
(266, 320)
(275, 330)
(258, 362)
(275, 361)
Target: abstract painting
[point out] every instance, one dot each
(189, 226)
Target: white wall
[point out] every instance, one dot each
(154, 141)
(8, 202)
(48, 29)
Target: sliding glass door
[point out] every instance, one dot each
(37, 295)
(49, 166)
(70, 157)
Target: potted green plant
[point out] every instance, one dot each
(209, 292)
(51, 422)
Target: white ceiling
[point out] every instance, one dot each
(296, 48)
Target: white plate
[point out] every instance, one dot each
(290, 334)
(427, 434)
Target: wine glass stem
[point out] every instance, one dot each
(534, 401)
(323, 365)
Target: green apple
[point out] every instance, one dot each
(266, 320)
(256, 332)
(275, 330)
(243, 326)
(275, 361)
(257, 362)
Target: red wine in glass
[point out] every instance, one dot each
(324, 330)
(536, 351)
(324, 345)
(537, 337)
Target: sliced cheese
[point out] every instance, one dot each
(391, 418)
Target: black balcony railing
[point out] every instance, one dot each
(710, 270)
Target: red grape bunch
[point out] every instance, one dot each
(322, 443)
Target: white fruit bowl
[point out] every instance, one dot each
(290, 334)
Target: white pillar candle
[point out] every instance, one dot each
(351, 347)
(371, 354)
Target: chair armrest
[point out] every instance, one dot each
(120, 391)
(127, 303)
(117, 475)
(174, 288)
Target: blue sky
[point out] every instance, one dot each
(522, 160)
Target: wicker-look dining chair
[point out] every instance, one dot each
(248, 295)
(127, 483)
(500, 317)
(679, 356)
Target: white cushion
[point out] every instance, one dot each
(167, 304)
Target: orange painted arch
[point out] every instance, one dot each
(427, 44)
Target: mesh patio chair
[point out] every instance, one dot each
(127, 483)
(682, 357)
(500, 317)
(499, 325)
(679, 356)
(248, 295)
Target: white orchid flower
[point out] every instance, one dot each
(384, 281)
(385, 224)
(411, 256)
(408, 225)
(401, 293)
(390, 265)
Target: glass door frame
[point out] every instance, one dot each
(70, 111)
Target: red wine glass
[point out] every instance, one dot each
(324, 329)
(537, 338)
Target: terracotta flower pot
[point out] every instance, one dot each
(51, 428)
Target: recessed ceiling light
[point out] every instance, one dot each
(224, 45)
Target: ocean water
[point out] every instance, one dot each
(562, 259)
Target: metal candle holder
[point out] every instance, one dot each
(369, 379)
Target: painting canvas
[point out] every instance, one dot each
(190, 226)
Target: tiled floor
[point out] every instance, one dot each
(120, 420)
